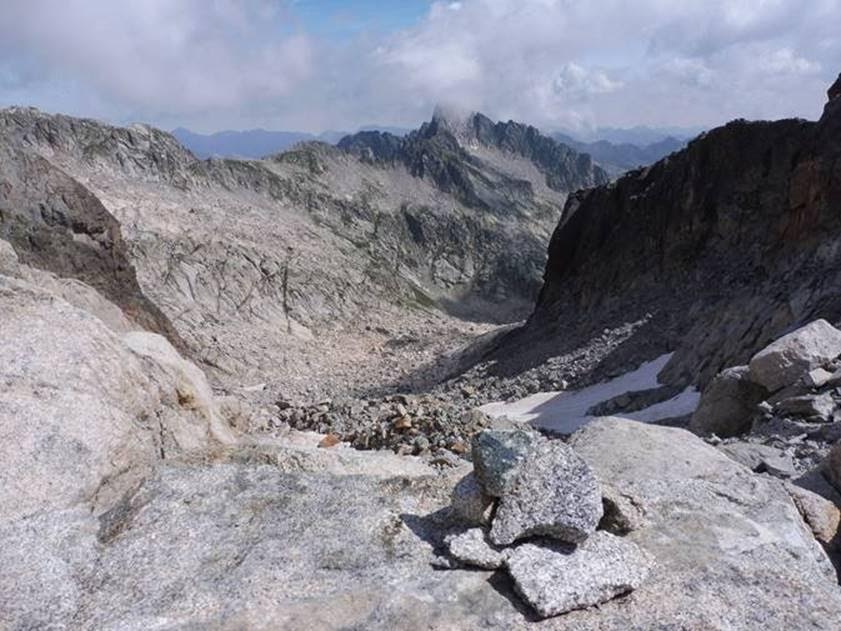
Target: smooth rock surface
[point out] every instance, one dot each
(555, 578)
(84, 418)
(554, 494)
(496, 455)
(714, 529)
(727, 404)
(789, 358)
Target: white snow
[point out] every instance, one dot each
(566, 411)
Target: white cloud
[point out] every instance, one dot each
(224, 63)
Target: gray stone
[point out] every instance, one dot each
(470, 502)
(472, 547)
(555, 578)
(789, 358)
(749, 454)
(817, 377)
(727, 404)
(554, 494)
(779, 465)
(496, 455)
(809, 405)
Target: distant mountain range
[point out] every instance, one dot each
(258, 143)
(616, 150)
(619, 158)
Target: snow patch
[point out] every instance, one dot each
(566, 411)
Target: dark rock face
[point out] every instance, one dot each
(55, 224)
(728, 244)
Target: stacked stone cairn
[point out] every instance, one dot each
(534, 508)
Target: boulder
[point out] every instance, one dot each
(554, 493)
(793, 355)
(779, 465)
(727, 404)
(555, 578)
(496, 455)
(472, 547)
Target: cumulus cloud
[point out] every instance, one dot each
(555, 63)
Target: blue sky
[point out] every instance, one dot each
(344, 20)
(311, 65)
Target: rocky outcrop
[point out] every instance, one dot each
(723, 246)
(86, 416)
(102, 531)
(56, 224)
(714, 525)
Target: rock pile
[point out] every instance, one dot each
(781, 414)
(406, 424)
(535, 506)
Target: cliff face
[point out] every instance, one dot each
(724, 246)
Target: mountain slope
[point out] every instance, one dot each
(292, 256)
(719, 249)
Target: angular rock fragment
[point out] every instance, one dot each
(820, 406)
(554, 493)
(623, 513)
(472, 547)
(496, 455)
(780, 465)
(789, 358)
(822, 516)
(727, 404)
(555, 578)
(470, 503)
(817, 377)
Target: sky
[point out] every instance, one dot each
(316, 65)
